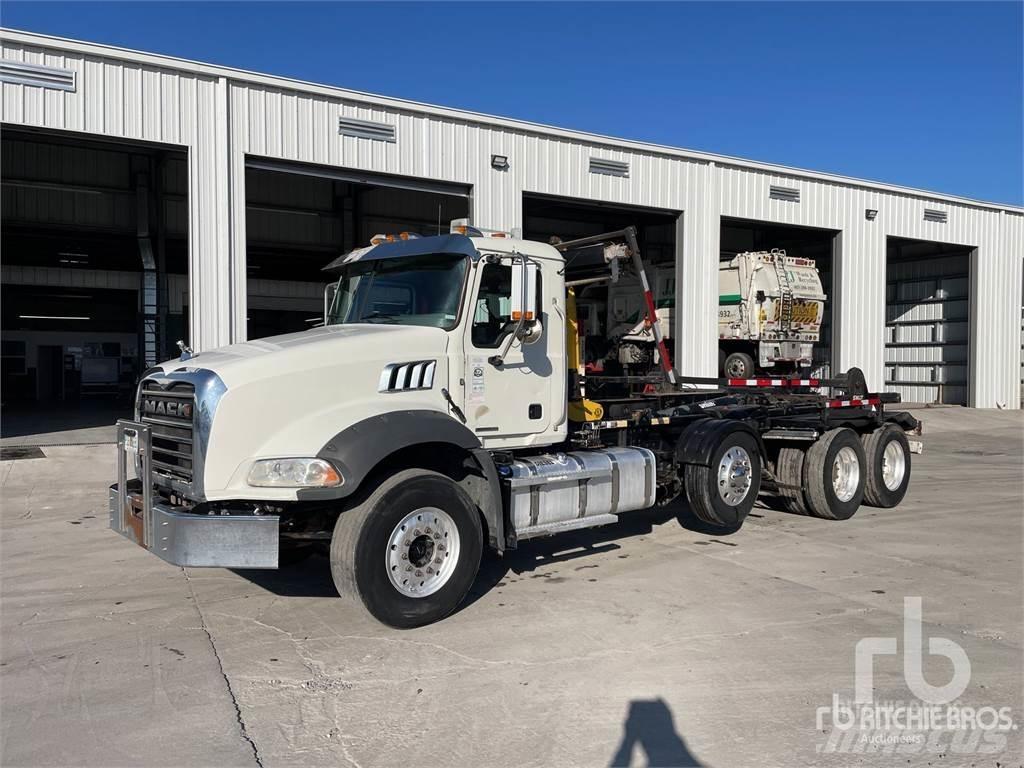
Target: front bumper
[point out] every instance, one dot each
(176, 535)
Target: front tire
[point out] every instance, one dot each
(408, 553)
(888, 462)
(835, 470)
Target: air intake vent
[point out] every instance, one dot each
(365, 129)
(930, 214)
(20, 73)
(403, 377)
(609, 167)
(789, 194)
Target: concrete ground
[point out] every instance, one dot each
(647, 642)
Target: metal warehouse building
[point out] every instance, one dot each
(147, 199)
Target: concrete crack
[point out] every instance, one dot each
(220, 665)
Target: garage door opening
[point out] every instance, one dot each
(613, 310)
(299, 221)
(94, 270)
(927, 321)
(820, 246)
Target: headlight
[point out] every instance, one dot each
(294, 473)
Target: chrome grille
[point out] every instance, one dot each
(169, 407)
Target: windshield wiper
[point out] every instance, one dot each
(378, 315)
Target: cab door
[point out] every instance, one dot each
(506, 403)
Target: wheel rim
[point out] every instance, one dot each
(735, 369)
(894, 465)
(845, 473)
(734, 476)
(422, 552)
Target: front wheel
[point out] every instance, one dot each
(409, 553)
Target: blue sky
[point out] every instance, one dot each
(926, 94)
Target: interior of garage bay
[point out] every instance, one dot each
(605, 309)
(819, 245)
(94, 275)
(298, 219)
(927, 321)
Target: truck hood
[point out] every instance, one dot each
(290, 395)
(316, 349)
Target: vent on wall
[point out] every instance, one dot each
(789, 194)
(19, 73)
(609, 167)
(930, 214)
(365, 129)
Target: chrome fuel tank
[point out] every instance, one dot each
(561, 491)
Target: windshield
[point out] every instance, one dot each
(410, 290)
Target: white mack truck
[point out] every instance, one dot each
(443, 408)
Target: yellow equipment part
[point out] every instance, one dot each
(583, 409)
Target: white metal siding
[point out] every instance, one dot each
(223, 115)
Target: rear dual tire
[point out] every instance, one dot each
(888, 460)
(834, 474)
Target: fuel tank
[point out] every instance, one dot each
(555, 492)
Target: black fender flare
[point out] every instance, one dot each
(698, 441)
(360, 448)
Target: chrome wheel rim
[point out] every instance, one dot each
(734, 476)
(894, 465)
(422, 552)
(845, 473)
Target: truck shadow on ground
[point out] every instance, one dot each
(312, 577)
(650, 729)
(580, 545)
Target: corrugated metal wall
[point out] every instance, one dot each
(223, 117)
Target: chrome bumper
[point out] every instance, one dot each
(177, 536)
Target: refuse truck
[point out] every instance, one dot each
(770, 308)
(444, 409)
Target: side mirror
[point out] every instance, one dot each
(330, 291)
(524, 292)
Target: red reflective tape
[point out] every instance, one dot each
(855, 402)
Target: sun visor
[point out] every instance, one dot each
(456, 245)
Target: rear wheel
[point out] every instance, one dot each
(835, 470)
(789, 472)
(409, 553)
(888, 466)
(723, 492)
(739, 365)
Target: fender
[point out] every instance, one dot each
(358, 449)
(698, 442)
